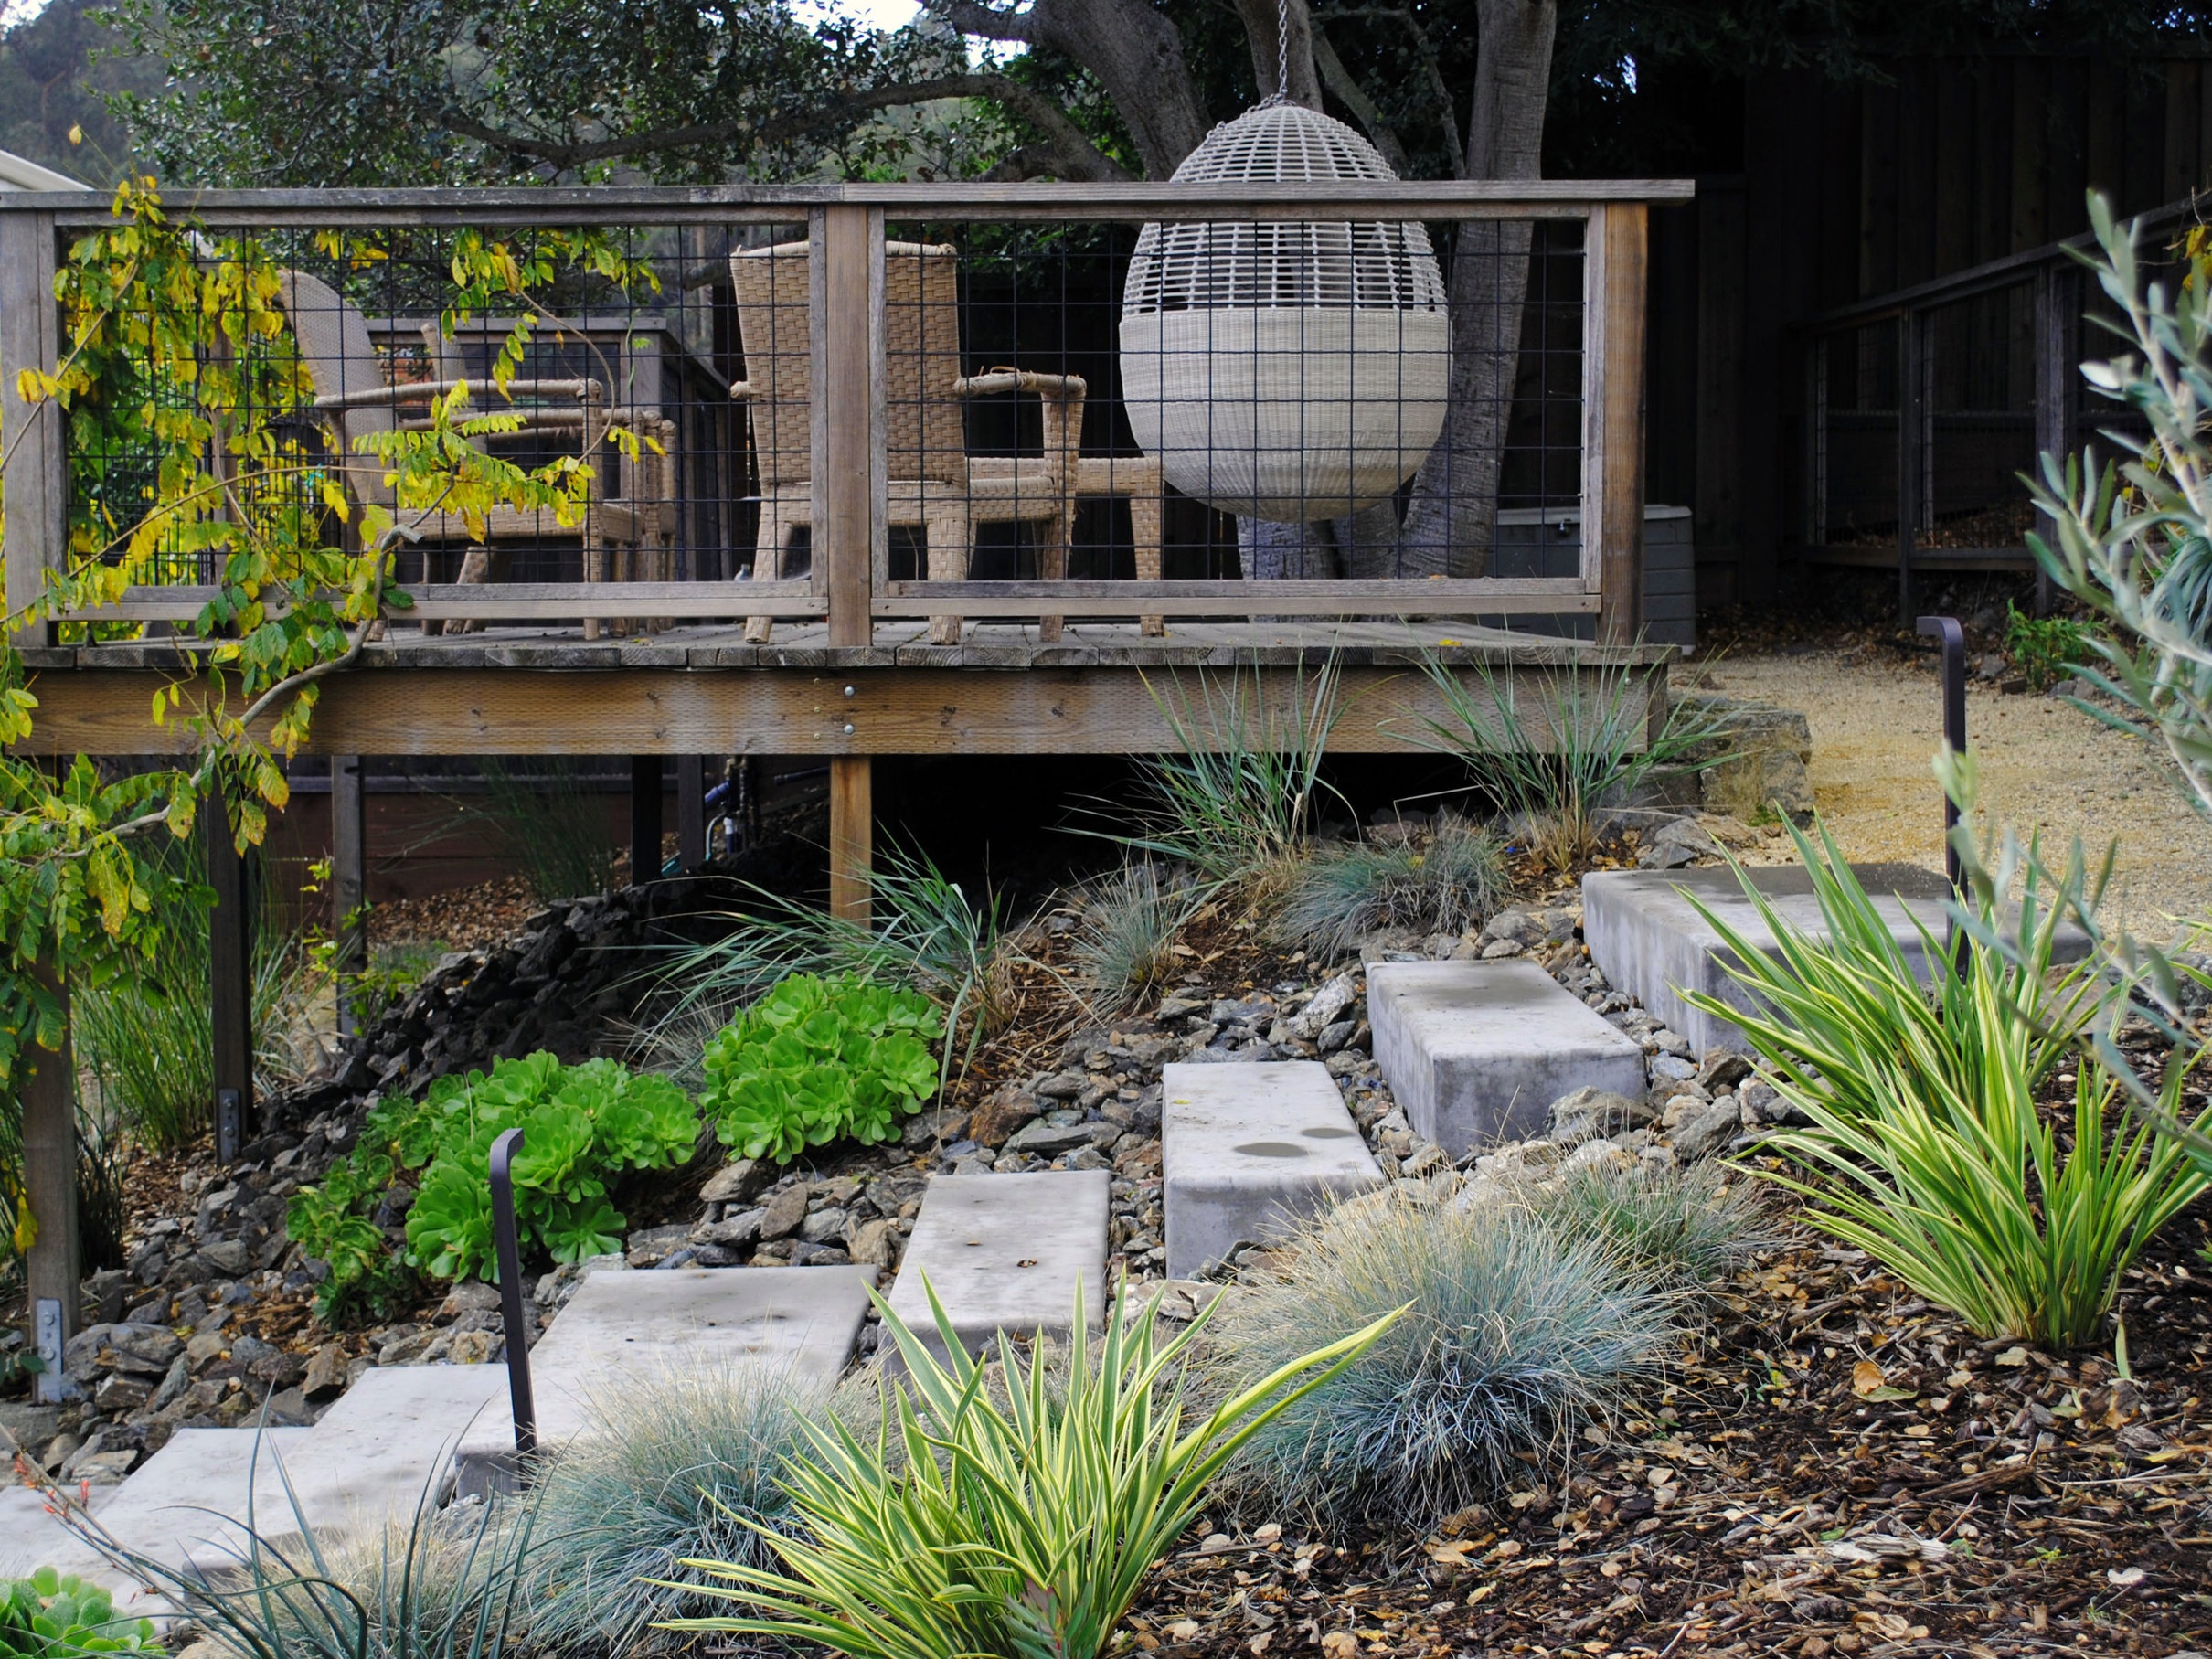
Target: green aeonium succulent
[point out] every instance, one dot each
(50, 1614)
(819, 1060)
(582, 1126)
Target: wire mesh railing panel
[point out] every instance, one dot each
(1056, 408)
(632, 424)
(1855, 436)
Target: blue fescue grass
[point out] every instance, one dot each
(1516, 1335)
(1686, 1226)
(1336, 894)
(683, 1463)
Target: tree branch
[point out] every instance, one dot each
(1354, 97)
(1079, 157)
(1425, 49)
(1281, 41)
(974, 17)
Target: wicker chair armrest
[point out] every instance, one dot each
(1061, 386)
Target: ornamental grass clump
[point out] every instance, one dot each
(686, 1467)
(425, 1583)
(1687, 1225)
(1015, 1518)
(1515, 1333)
(1925, 1146)
(1240, 796)
(1124, 947)
(1586, 743)
(1340, 892)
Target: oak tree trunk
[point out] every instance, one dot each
(1451, 521)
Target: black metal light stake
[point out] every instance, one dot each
(1947, 629)
(508, 1247)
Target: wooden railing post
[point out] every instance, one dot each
(846, 298)
(2058, 304)
(1614, 257)
(30, 433)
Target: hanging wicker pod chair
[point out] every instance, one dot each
(1285, 371)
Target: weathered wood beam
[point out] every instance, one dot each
(1615, 254)
(772, 204)
(36, 526)
(917, 710)
(852, 835)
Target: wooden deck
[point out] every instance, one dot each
(1101, 688)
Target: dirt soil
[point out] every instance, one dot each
(1876, 715)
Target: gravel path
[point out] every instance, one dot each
(1876, 722)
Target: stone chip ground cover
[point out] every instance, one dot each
(1827, 1467)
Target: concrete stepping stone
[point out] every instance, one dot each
(1477, 1052)
(1249, 1150)
(32, 1536)
(623, 1328)
(1006, 1253)
(187, 1506)
(1645, 937)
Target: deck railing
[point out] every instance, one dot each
(1048, 519)
(1924, 407)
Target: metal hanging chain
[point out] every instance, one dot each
(1283, 50)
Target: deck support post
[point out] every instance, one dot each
(348, 885)
(230, 985)
(1615, 253)
(53, 1268)
(847, 323)
(690, 810)
(852, 834)
(645, 819)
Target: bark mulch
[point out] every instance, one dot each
(1829, 1466)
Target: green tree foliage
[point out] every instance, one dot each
(175, 352)
(457, 91)
(58, 67)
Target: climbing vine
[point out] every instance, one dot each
(189, 424)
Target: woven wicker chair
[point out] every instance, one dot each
(935, 484)
(352, 395)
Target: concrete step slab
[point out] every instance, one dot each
(1648, 939)
(1476, 1051)
(1006, 1253)
(1247, 1152)
(189, 1505)
(623, 1328)
(32, 1536)
(376, 1452)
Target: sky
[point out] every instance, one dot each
(883, 14)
